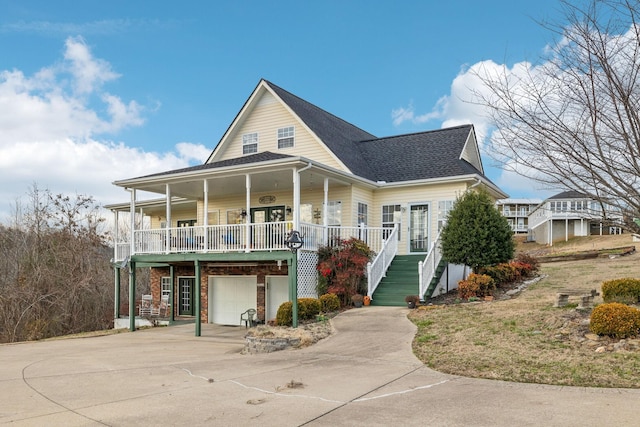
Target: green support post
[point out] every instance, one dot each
(132, 296)
(198, 299)
(116, 294)
(172, 315)
(294, 291)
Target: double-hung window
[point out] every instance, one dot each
(391, 215)
(250, 143)
(165, 286)
(444, 207)
(286, 137)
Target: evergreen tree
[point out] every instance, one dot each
(476, 234)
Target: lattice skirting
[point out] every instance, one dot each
(307, 274)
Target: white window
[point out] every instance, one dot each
(334, 212)
(165, 286)
(444, 207)
(363, 214)
(391, 215)
(286, 137)
(250, 143)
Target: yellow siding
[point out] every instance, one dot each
(405, 196)
(266, 117)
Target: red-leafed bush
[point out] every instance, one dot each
(476, 285)
(343, 268)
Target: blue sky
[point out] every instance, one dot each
(92, 92)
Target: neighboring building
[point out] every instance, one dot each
(517, 212)
(216, 240)
(571, 214)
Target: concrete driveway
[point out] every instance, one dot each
(365, 374)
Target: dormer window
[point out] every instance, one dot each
(286, 137)
(250, 143)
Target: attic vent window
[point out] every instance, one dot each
(286, 137)
(250, 143)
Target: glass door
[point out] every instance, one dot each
(266, 235)
(419, 228)
(186, 286)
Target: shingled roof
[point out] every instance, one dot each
(338, 135)
(410, 157)
(569, 194)
(244, 160)
(416, 156)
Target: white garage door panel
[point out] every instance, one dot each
(229, 297)
(277, 293)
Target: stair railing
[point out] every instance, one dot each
(427, 268)
(377, 268)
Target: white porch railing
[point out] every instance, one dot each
(539, 217)
(377, 268)
(233, 238)
(427, 268)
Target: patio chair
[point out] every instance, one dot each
(248, 317)
(146, 305)
(162, 309)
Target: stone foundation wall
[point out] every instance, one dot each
(255, 345)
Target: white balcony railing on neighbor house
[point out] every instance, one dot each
(541, 216)
(233, 238)
(377, 268)
(427, 268)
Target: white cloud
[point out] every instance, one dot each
(460, 107)
(51, 127)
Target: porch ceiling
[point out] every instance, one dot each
(230, 185)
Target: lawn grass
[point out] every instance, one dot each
(525, 339)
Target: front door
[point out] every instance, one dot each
(419, 228)
(186, 286)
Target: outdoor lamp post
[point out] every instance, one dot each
(294, 242)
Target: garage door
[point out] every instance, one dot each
(277, 293)
(230, 296)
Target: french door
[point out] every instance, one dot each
(267, 237)
(419, 228)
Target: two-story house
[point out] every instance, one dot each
(216, 238)
(517, 212)
(571, 214)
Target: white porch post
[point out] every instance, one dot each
(168, 215)
(325, 210)
(132, 220)
(116, 236)
(247, 219)
(296, 200)
(205, 221)
(551, 232)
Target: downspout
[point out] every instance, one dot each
(476, 184)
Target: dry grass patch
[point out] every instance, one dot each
(527, 340)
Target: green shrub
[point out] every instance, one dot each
(615, 320)
(476, 285)
(329, 302)
(308, 308)
(621, 290)
(284, 316)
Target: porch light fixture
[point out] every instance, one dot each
(294, 242)
(243, 213)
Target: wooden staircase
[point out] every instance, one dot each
(401, 280)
